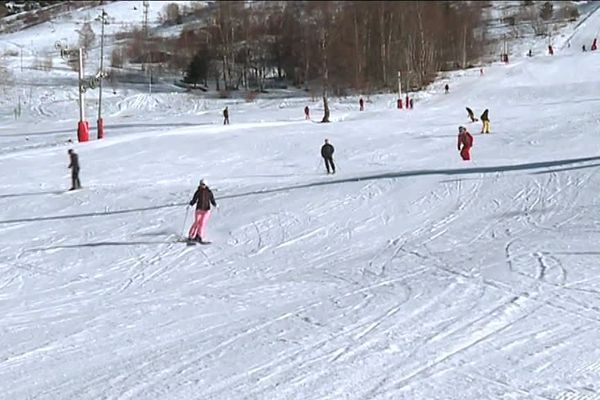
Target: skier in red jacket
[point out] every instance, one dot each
(466, 141)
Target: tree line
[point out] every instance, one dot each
(319, 45)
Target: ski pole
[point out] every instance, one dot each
(319, 164)
(187, 210)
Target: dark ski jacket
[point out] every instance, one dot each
(484, 116)
(226, 113)
(327, 151)
(74, 165)
(470, 112)
(203, 198)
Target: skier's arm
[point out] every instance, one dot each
(212, 199)
(458, 146)
(194, 199)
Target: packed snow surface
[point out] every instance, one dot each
(409, 274)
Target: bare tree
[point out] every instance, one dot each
(86, 36)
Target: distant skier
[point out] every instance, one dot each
(594, 44)
(327, 154)
(411, 103)
(530, 53)
(465, 142)
(203, 198)
(306, 113)
(446, 88)
(471, 115)
(361, 104)
(583, 48)
(226, 116)
(74, 166)
(486, 122)
(550, 50)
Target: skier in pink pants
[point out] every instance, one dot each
(203, 198)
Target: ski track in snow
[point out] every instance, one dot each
(408, 274)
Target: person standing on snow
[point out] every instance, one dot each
(447, 88)
(306, 113)
(594, 44)
(327, 154)
(361, 104)
(486, 122)
(203, 198)
(226, 116)
(471, 115)
(465, 142)
(74, 166)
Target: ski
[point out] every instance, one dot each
(192, 242)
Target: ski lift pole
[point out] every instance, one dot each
(83, 130)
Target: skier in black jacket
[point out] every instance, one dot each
(74, 166)
(327, 154)
(226, 116)
(203, 198)
(471, 115)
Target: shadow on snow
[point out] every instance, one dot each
(389, 175)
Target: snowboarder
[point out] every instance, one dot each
(327, 154)
(594, 44)
(74, 167)
(306, 113)
(361, 104)
(471, 115)
(465, 142)
(550, 50)
(446, 88)
(226, 116)
(203, 198)
(486, 122)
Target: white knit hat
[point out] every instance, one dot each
(203, 182)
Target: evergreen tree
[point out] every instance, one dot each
(547, 10)
(197, 71)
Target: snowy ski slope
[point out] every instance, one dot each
(408, 275)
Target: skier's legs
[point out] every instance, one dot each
(486, 127)
(465, 153)
(195, 229)
(78, 183)
(332, 165)
(75, 179)
(327, 164)
(204, 214)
